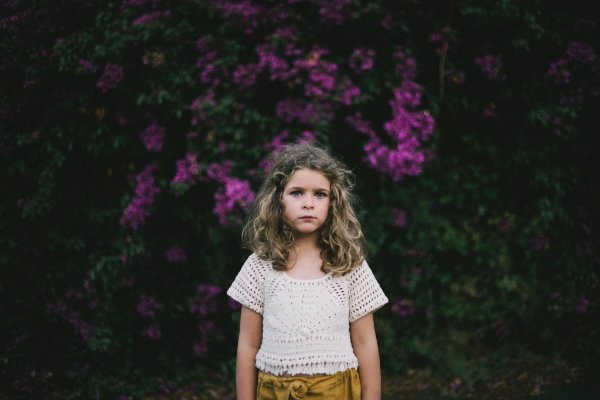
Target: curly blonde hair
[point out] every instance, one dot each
(341, 239)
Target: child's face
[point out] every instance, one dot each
(306, 201)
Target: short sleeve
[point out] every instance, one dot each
(248, 286)
(365, 293)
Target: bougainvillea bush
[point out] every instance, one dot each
(134, 134)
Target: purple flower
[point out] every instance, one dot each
(360, 124)
(321, 80)
(200, 348)
(349, 92)
(110, 78)
(292, 109)
(243, 12)
(278, 142)
(149, 17)
(455, 76)
(403, 307)
(138, 209)
(559, 73)
(245, 75)
(490, 66)
(334, 11)
(233, 305)
(186, 172)
(435, 37)
(175, 254)
(203, 302)
(306, 137)
(147, 306)
(234, 196)
(361, 60)
(73, 318)
(279, 69)
(399, 218)
(583, 52)
(87, 66)
(152, 332)
(219, 172)
(153, 136)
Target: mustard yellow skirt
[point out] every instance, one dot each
(344, 385)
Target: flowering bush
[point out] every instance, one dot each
(133, 139)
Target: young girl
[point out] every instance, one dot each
(307, 293)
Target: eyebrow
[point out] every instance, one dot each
(316, 190)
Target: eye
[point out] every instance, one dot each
(321, 195)
(296, 193)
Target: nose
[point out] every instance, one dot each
(308, 202)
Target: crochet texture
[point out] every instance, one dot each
(306, 323)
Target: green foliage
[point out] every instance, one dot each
(499, 251)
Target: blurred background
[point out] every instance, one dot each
(133, 136)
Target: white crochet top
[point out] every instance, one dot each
(306, 323)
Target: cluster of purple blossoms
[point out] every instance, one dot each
(245, 75)
(205, 63)
(153, 136)
(110, 78)
(361, 60)
(147, 306)
(244, 12)
(455, 76)
(558, 303)
(152, 331)
(187, 171)
(295, 109)
(558, 70)
(398, 218)
(321, 79)
(72, 317)
(175, 254)
(278, 142)
(234, 196)
(87, 66)
(199, 107)
(582, 52)
(334, 11)
(349, 92)
(559, 73)
(203, 302)
(138, 209)
(150, 17)
(279, 69)
(490, 66)
(200, 348)
(403, 307)
(406, 128)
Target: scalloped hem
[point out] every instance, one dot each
(324, 367)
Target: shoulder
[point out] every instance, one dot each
(359, 270)
(257, 264)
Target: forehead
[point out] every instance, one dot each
(308, 178)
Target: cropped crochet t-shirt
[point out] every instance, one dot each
(306, 323)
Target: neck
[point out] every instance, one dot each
(307, 242)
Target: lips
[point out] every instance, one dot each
(307, 218)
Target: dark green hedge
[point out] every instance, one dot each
(133, 135)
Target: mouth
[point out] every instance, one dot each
(307, 218)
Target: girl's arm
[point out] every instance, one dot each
(248, 345)
(364, 342)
